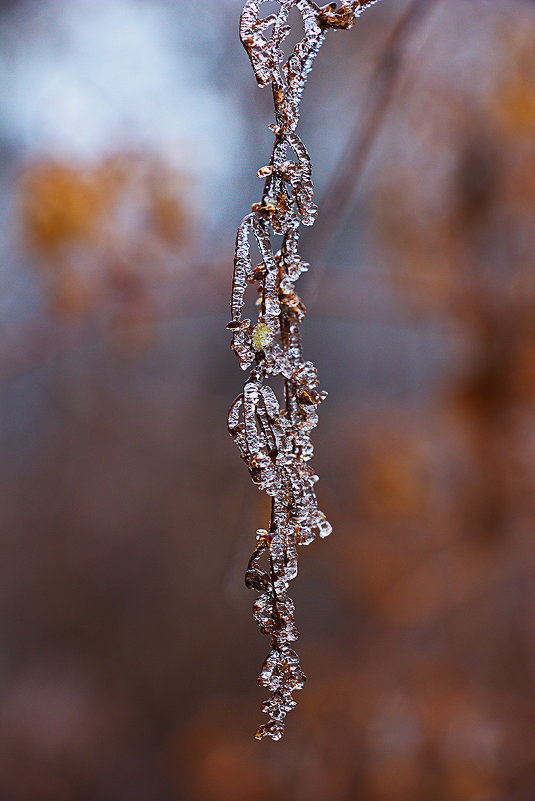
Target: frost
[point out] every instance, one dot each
(275, 443)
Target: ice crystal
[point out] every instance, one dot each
(275, 443)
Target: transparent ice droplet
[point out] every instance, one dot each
(273, 729)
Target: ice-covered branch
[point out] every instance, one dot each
(274, 441)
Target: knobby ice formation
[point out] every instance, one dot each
(275, 442)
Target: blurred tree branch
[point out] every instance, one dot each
(338, 194)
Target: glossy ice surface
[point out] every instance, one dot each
(273, 441)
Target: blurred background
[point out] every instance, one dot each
(130, 134)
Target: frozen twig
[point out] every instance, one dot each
(275, 442)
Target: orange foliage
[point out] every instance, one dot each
(105, 235)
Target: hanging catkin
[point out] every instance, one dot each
(275, 442)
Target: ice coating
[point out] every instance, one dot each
(275, 442)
